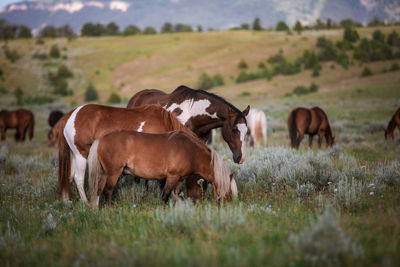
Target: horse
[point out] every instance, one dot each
(21, 119)
(395, 121)
(257, 124)
(201, 111)
(54, 117)
(80, 127)
(309, 121)
(139, 154)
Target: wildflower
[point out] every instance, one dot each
(134, 205)
(371, 193)
(200, 181)
(371, 185)
(82, 256)
(335, 190)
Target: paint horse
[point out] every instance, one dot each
(139, 154)
(309, 121)
(22, 120)
(54, 117)
(395, 121)
(201, 111)
(80, 127)
(257, 124)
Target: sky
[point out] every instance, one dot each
(3, 3)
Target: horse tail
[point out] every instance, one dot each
(64, 165)
(221, 175)
(95, 171)
(31, 127)
(292, 128)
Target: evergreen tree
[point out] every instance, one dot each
(298, 27)
(281, 26)
(257, 25)
(167, 28)
(24, 32)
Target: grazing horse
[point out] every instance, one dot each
(309, 121)
(22, 120)
(139, 154)
(54, 117)
(81, 126)
(201, 111)
(257, 124)
(395, 121)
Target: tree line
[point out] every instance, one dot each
(11, 31)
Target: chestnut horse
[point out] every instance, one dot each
(80, 127)
(21, 119)
(54, 117)
(139, 154)
(309, 121)
(395, 121)
(201, 111)
(257, 124)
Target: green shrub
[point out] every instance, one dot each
(350, 34)
(393, 39)
(242, 64)
(343, 59)
(11, 54)
(248, 76)
(261, 65)
(217, 80)
(313, 88)
(3, 90)
(244, 94)
(300, 90)
(64, 72)
(287, 68)
(61, 88)
(366, 72)
(18, 93)
(54, 51)
(39, 41)
(204, 82)
(281, 26)
(91, 93)
(315, 72)
(310, 59)
(378, 35)
(327, 50)
(114, 98)
(277, 58)
(37, 100)
(394, 67)
(373, 50)
(344, 45)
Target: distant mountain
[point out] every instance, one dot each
(217, 14)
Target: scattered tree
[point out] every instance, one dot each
(131, 30)
(91, 93)
(281, 26)
(242, 64)
(257, 25)
(54, 51)
(114, 98)
(298, 27)
(149, 30)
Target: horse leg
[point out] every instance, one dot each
(169, 186)
(299, 138)
(310, 140)
(320, 136)
(21, 134)
(80, 168)
(3, 133)
(111, 181)
(65, 191)
(94, 202)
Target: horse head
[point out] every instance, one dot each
(234, 130)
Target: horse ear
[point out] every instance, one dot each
(246, 111)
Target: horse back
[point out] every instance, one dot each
(147, 96)
(322, 117)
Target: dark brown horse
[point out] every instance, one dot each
(395, 121)
(80, 127)
(54, 117)
(139, 154)
(201, 111)
(22, 120)
(309, 121)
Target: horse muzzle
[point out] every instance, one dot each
(238, 158)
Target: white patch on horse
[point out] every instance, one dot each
(140, 129)
(69, 131)
(79, 160)
(243, 131)
(192, 109)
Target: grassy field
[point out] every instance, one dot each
(337, 206)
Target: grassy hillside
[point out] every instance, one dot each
(336, 206)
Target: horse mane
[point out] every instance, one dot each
(187, 92)
(221, 174)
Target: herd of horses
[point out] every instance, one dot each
(161, 136)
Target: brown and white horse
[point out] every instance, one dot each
(80, 127)
(395, 121)
(22, 120)
(201, 111)
(172, 156)
(309, 121)
(257, 124)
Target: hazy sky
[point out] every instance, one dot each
(3, 3)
